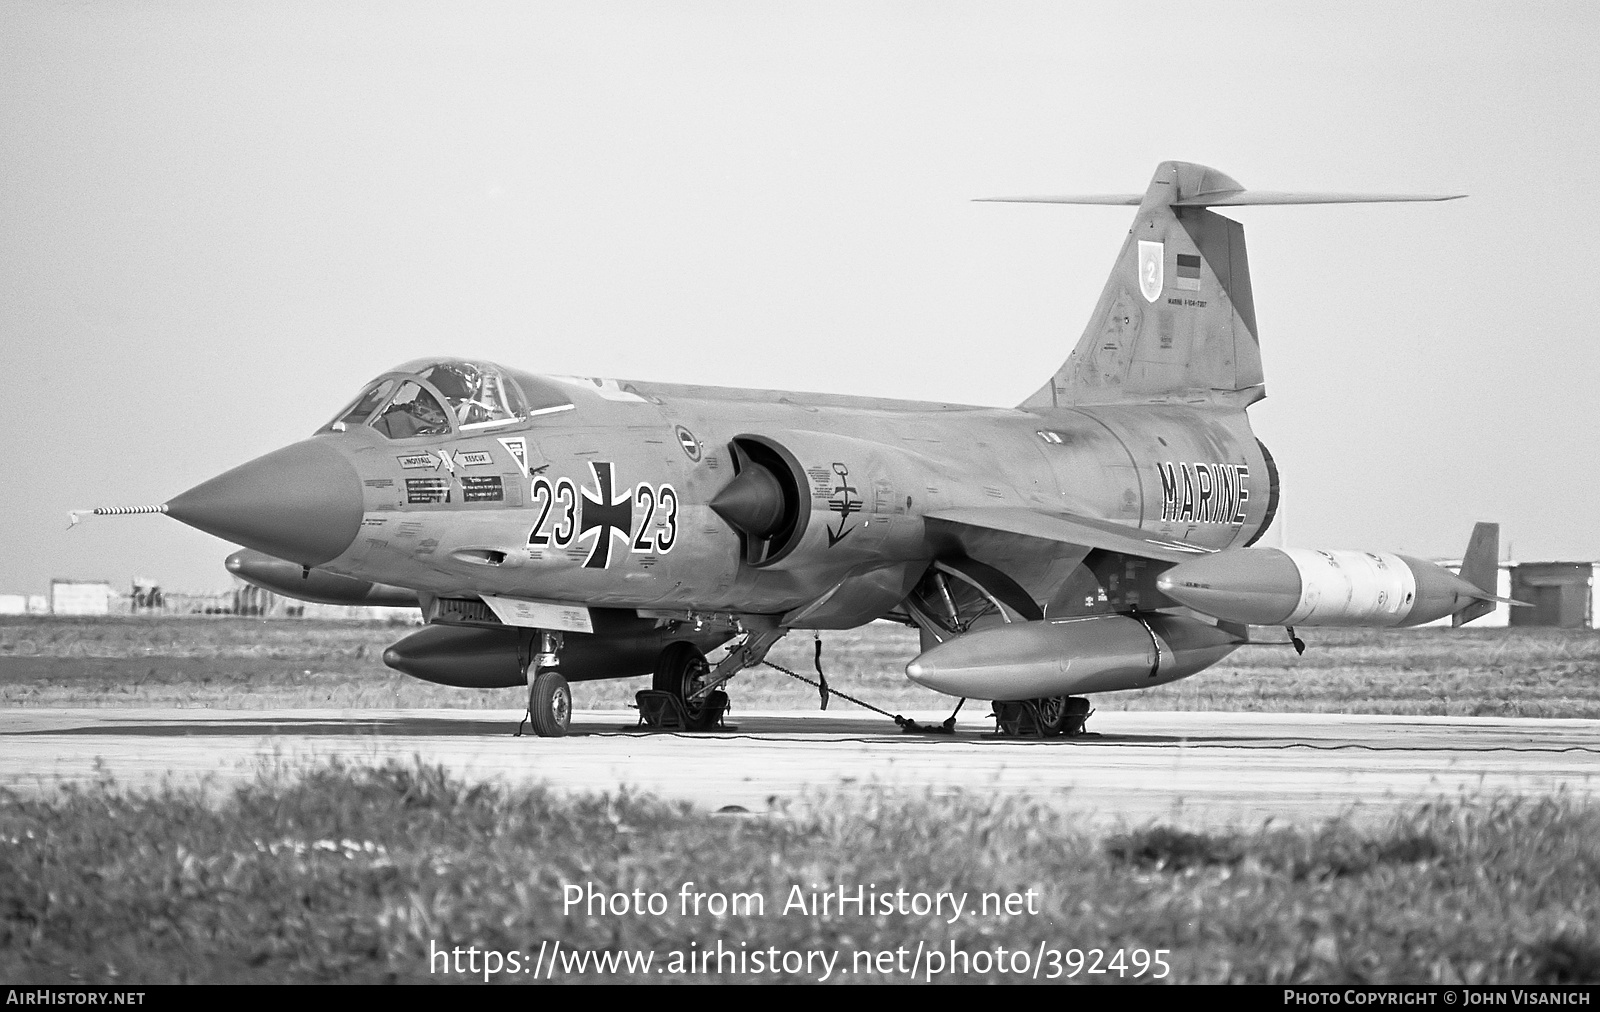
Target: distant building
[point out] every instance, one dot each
(13, 604)
(80, 597)
(1562, 594)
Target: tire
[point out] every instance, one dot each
(680, 670)
(550, 704)
(1061, 714)
(1052, 715)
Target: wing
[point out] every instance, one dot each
(1069, 529)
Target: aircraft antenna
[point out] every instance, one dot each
(74, 516)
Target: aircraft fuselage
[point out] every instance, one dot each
(609, 503)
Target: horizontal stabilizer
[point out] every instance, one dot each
(1065, 528)
(1176, 320)
(1245, 198)
(1234, 198)
(1513, 602)
(1114, 199)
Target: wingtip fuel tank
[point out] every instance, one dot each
(307, 583)
(1301, 587)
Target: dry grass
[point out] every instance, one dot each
(229, 662)
(358, 875)
(1454, 672)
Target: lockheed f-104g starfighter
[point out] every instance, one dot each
(1096, 537)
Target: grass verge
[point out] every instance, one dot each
(367, 875)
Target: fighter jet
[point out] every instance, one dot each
(1097, 537)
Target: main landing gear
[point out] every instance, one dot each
(1042, 718)
(686, 694)
(549, 696)
(679, 698)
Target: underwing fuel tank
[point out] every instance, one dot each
(463, 656)
(1300, 587)
(1029, 660)
(492, 657)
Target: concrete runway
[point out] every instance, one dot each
(1190, 768)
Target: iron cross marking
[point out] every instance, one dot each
(613, 518)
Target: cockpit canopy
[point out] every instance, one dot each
(433, 397)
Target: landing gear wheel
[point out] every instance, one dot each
(1052, 714)
(550, 704)
(680, 670)
(1041, 718)
(1061, 715)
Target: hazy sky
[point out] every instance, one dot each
(218, 220)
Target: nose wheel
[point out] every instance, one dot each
(549, 697)
(549, 704)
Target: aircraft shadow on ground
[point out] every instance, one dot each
(300, 727)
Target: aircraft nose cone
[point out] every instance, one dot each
(301, 503)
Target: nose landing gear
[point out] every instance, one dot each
(549, 704)
(549, 696)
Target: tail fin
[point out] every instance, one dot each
(1176, 321)
(1480, 566)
